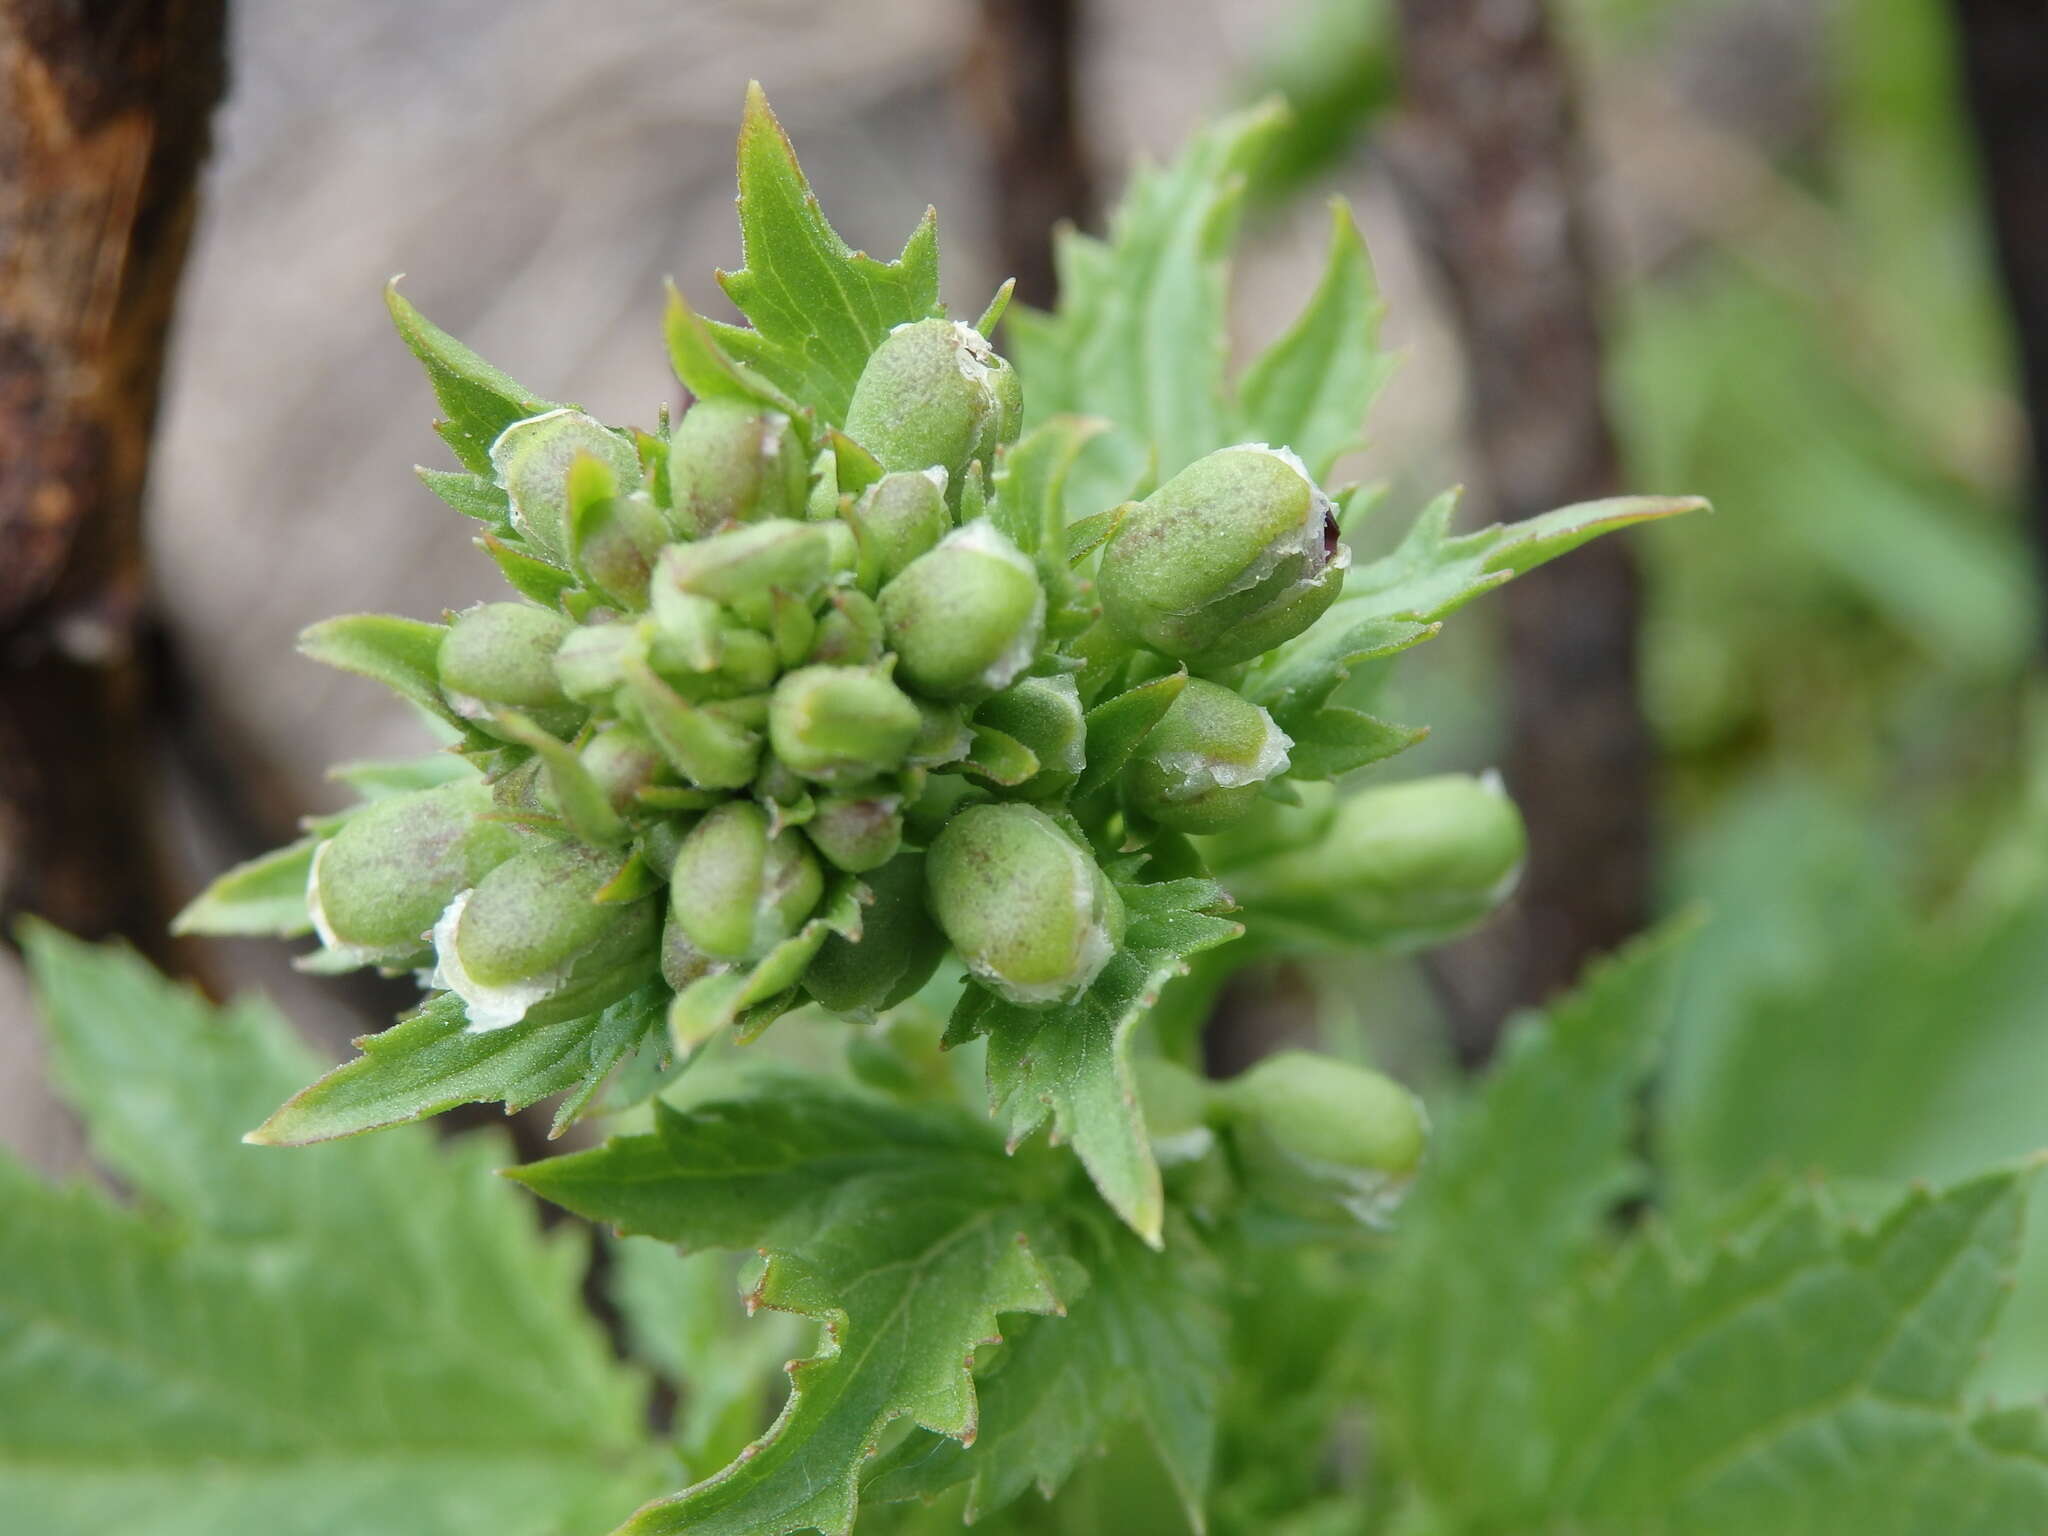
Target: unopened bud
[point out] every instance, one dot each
(1202, 766)
(1027, 907)
(1320, 1110)
(841, 722)
(502, 656)
(1233, 555)
(741, 567)
(849, 630)
(897, 519)
(965, 619)
(898, 949)
(1399, 865)
(378, 884)
(622, 760)
(532, 943)
(592, 660)
(1045, 714)
(532, 459)
(736, 891)
(934, 393)
(730, 462)
(857, 829)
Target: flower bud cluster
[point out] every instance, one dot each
(789, 715)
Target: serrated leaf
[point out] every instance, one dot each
(266, 895)
(1071, 1063)
(480, 402)
(1139, 337)
(431, 1061)
(706, 368)
(470, 494)
(1144, 1342)
(1399, 600)
(1807, 1377)
(906, 1233)
(1118, 726)
(817, 309)
(198, 1364)
(1506, 1208)
(1310, 389)
(399, 653)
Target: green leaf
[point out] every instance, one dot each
(706, 368)
(1071, 1063)
(431, 1061)
(1335, 740)
(374, 1337)
(1822, 1025)
(906, 1233)
(1144, 1343)
(1507, 1208)
(480, 402)
(373, 778)
(528, 574)
(1807, 1377)
(1401, 599)
(1310, 389)
(472, 495)
(266, 895)
(1118, 726)
(817, 308)
(399, 653)
(1139, 337)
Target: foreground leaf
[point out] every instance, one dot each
(905, 1234)
(203, 1363)
(1143, 1343)
(1506, 1209)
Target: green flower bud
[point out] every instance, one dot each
(1203, 765)
(841, 722)
(615, 544)
(378, 884)
(897, 519)
(899, 946)
(857, 829)
(1399, 865)
(532, 943)
(965, 619)
(934, 393)
(682, 962)
(1272, 826)
(741, 567)
(736, 891)
(729, 462)
(849, 630)
(591, 661)
(1027, 907)
(1233, 555)
(623, 760)
(943, 735)
(1045, 714)
(502, 656)
(1320, 1110)
(532, 459)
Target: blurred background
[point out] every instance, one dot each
(1788, 254)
